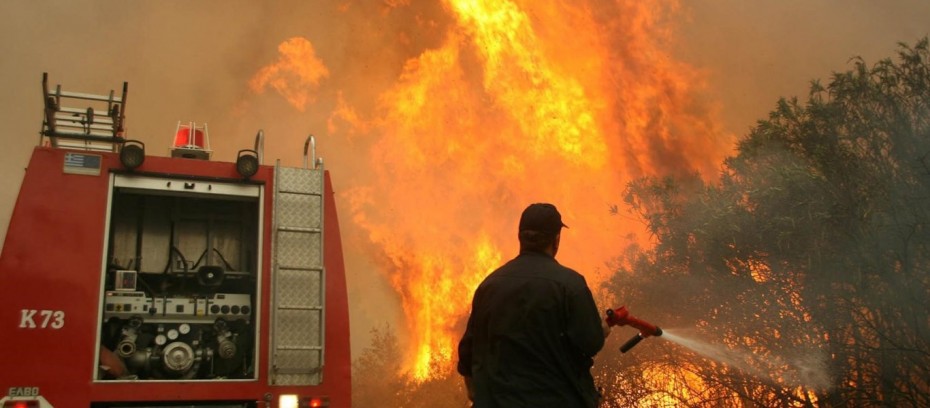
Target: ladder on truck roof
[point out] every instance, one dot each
(98, 126)
(298, 280)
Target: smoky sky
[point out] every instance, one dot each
(191, 61)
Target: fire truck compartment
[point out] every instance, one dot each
(180, 287)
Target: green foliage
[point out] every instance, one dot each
(376, 374)
(813, 244)
(378, 379)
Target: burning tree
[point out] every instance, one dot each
(807, 263)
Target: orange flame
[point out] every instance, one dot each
(296, 75)
(521, 102)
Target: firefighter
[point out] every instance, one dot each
(534, 327)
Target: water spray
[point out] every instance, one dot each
(622, 317)
(808, 368)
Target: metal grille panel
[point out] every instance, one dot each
(299, 358)
(298, 323)
(299, 329)
(300, 211)
(300, 288)
(298, 379)
(301, 181)
(299, 250)
(306, 358)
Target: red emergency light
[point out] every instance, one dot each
(295, 401)
(315, 402)
(191, 141)
(21, 404)
(189, 138)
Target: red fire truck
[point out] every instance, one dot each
(130, 280)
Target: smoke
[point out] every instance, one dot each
(754, 53)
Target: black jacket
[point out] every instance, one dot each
(531, 336)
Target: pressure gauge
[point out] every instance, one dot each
(184, 328)
(172, 334)
(161, 339)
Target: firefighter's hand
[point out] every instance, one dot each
(617, 317)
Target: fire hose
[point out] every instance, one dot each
(622, 317)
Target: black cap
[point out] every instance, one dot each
(542, 217)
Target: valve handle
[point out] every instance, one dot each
(631, 343)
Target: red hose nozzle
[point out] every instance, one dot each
(621, 317)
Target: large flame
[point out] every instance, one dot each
(521, 102)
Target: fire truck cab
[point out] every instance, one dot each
(132, 280)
